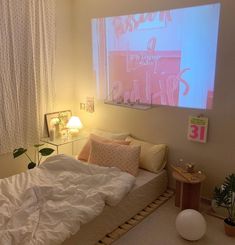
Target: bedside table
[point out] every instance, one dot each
(60, 141)
(188, 188)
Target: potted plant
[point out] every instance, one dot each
(38, 157)
(224, 197)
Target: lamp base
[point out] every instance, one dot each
(73, 133)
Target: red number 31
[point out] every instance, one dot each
(197, 132)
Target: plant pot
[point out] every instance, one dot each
(229, 228)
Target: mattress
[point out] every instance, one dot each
(147, 188)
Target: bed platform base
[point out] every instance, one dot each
(128, 225)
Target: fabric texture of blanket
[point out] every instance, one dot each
(48, 204)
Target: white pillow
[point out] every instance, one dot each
(152, 157)
(110, 135)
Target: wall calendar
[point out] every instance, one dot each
(197, 129)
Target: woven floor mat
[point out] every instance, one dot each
(124, 228)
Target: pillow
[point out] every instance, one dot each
(110, 135)
(85, 152)
(152, 157)
(123, 157)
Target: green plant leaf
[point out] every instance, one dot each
(230, 183)
(38, 145)
(31, 165)
(18, 152)
(46, 151)
(221, 197)
(225, 196)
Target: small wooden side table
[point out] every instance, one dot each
(188, 188)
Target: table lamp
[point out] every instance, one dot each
(73, 125)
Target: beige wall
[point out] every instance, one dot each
(165, 124)
(64, 81)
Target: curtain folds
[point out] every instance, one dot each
(27, 58)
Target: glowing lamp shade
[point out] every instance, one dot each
(74, 125)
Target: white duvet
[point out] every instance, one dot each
(48, 204)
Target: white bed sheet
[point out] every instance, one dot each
(44, 206)
(147, 188)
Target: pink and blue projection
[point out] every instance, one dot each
(159, 58)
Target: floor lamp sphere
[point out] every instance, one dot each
(190, 224)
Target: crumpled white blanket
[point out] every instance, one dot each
(47, 204)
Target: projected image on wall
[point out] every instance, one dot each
(159, 58)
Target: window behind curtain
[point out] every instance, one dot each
(27, 54)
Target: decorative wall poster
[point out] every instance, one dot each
(197, 129)
(90, 107)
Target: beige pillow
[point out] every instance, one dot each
(110, 135)
(85, 152)
(152, 157)
(123, 157)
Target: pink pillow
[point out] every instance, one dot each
(123, 157)
(85, 152)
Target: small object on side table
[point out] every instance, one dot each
(190, 168)
(188, 188)
(52, 134)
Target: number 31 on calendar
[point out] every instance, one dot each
(197, 129)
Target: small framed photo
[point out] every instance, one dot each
(57, 121)
(90, 104)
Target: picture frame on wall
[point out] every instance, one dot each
(57, 121)
(90, 107)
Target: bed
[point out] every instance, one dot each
(151, 182)
(68, 201)
(147, 188)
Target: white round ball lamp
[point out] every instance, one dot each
(190, 224)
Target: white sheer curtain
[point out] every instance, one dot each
(27, 54)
